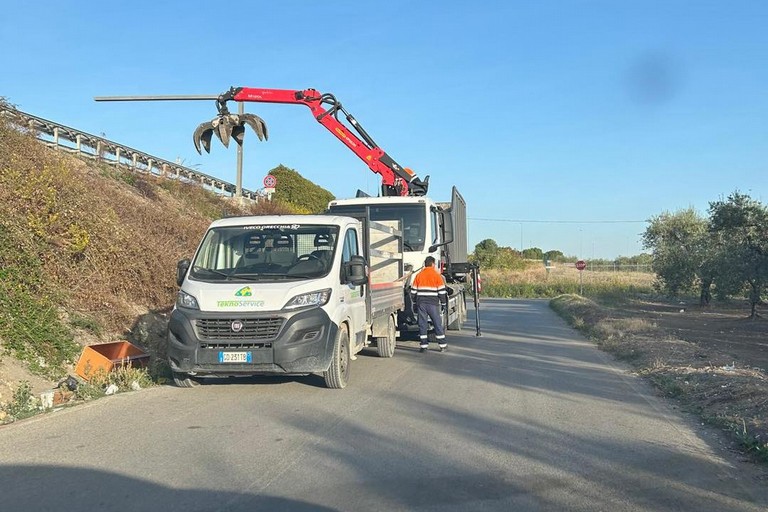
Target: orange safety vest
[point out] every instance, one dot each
(429, 287)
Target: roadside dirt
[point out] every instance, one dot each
(724, 329)
(147, 332)
(12, 372)
(712, 360)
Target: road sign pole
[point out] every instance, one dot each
(580, 266)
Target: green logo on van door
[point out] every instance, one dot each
(244, 292)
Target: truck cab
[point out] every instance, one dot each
(287, 294)
(429, 229)
(419, 217)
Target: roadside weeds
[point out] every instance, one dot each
(71, 391)
(727, 394)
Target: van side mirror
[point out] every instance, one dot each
(355, 271)
(182, 268)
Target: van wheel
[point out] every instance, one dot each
(337, 375)
(385, 345)
(183, 380)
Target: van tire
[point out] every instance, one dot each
(337, 375)
(183, 380)
(385, 345)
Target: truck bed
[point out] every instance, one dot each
(386, 267)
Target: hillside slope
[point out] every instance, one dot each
(88, 253)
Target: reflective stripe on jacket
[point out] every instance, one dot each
(429, 287)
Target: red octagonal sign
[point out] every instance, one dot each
(581, 265)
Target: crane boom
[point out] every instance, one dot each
(396, 180)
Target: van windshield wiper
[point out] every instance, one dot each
(258, 276)
(212, 271)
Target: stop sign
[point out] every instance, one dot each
(581, 265)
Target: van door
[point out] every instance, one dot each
(354, 296)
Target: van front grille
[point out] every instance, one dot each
(252, 329)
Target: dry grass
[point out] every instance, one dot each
(109, 245)
(537, 281)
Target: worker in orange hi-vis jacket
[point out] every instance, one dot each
(429, 295)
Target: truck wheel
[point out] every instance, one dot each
(337, 375)
(183, 380)
(385, 345)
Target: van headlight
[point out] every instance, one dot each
(314, 299)
(185, 300)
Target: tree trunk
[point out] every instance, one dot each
(706, 292)
(754, 298)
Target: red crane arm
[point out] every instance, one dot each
(396, 180)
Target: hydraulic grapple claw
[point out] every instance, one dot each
(202, 137)
(238, 134)
(224, 130)
(226, 127)
(256, 123)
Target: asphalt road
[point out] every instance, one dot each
(528, 416)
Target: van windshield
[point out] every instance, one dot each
(412, 217)
(265, 252)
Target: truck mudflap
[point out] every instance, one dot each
(231, 343)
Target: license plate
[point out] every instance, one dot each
(235, 357)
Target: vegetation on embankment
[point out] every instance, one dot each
(87, 249)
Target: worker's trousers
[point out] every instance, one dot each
(431, 312)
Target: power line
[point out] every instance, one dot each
(528, 221)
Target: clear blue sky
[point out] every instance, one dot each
(545, 111)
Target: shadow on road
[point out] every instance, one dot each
(59, 488)
(621, 453)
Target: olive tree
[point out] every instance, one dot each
(486, 253)
(740, 223)
(533, 253)
(678, 242)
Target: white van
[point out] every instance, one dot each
(286, 294)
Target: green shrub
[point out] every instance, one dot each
(24, 404)
(30, 327)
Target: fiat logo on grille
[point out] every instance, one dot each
(237, 326)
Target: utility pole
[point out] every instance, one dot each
(254, 121)
(239, 178)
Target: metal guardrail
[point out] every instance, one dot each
(98, 148)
